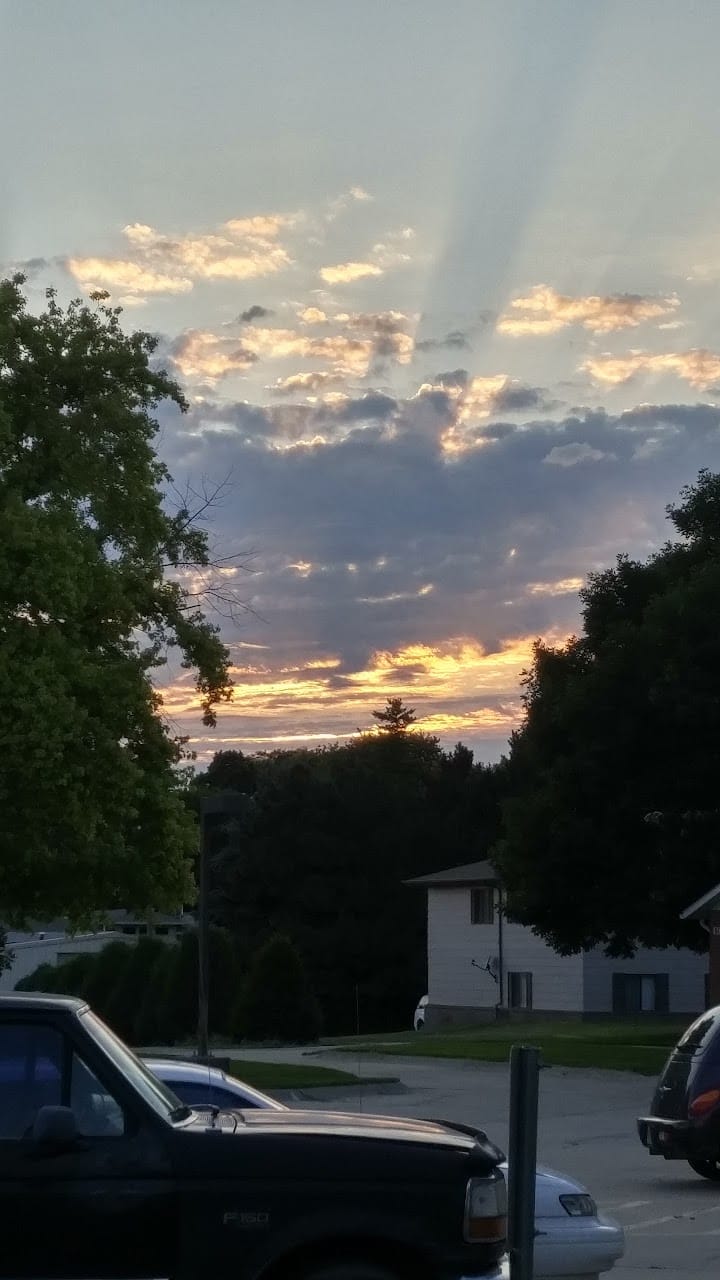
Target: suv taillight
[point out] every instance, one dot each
(486, 1210)
(704, 1102)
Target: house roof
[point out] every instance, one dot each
(470, 873)
(710, 901)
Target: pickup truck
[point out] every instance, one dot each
(105, 1175)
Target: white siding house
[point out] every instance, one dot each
(481, 965)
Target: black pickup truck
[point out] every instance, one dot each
(104, 1175)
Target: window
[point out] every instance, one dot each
(97, 1114)
(30, 1075)
(519, 990)
(203, 1096)
(640, 993)
(36, 1070)
(482, 906)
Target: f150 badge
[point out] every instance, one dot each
(254, 1220)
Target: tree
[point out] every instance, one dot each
(611, 819)
(276, 1002)
(395, 718)
(90, 601)
(322, 855)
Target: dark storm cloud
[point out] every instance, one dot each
(405, 541)
(255, 312)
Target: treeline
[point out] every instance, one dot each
(322, 853)
(147, 991)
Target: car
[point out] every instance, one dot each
(572, 1238)
(419, 1019)
(203, 1087)
(105, 1172)
(684, 1119)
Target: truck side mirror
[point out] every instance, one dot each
(55, 1127)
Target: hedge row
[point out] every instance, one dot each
(147, 991)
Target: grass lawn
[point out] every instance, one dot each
(288, 1075)
(618, 1046)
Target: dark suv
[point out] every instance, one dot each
(684, 1123)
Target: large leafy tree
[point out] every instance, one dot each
(612, 824)
(89, 605)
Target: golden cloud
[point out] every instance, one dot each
(563, 587)
(348, 272)
(462, 686)
(210, 356)
(305, 383)
(312, 315)
(119, 273)
(545, 311)
(698, 366)
(240, 249)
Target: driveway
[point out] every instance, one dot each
(587, 1129)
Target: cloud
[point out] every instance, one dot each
(306, 383)
(240, 249)
(115, 274)
(364, 492)
(455, 341)
(699, 367)
(385, 256)
(569, 455)
(312, 315)
(200, 354)
(254, 313)
(349, 272)
(545, 311)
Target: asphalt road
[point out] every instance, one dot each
(587, 1129)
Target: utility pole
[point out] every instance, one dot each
(220, 805)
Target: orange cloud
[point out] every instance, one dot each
(119, 273)
(457, 686)
(545, 311)
(698, 366)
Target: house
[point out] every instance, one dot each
(52, 943)
(706, 910)
(482, 965)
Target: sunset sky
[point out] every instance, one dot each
(440, 281)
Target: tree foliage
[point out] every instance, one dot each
(276, 1002)
(395, 717)
(611, 815)
(90, 601)
(322, 854)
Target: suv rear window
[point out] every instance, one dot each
(698, 1036)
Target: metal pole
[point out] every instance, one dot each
(522, 1159)
(219, 804)
(203, 940)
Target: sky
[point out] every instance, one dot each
(440, 284)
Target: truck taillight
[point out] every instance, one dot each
(704, 1102)
(486, 1210)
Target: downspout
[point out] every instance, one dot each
(501, 966)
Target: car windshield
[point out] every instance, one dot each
(154, 1091)
(698, 1036)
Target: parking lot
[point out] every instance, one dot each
(587, 1129)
